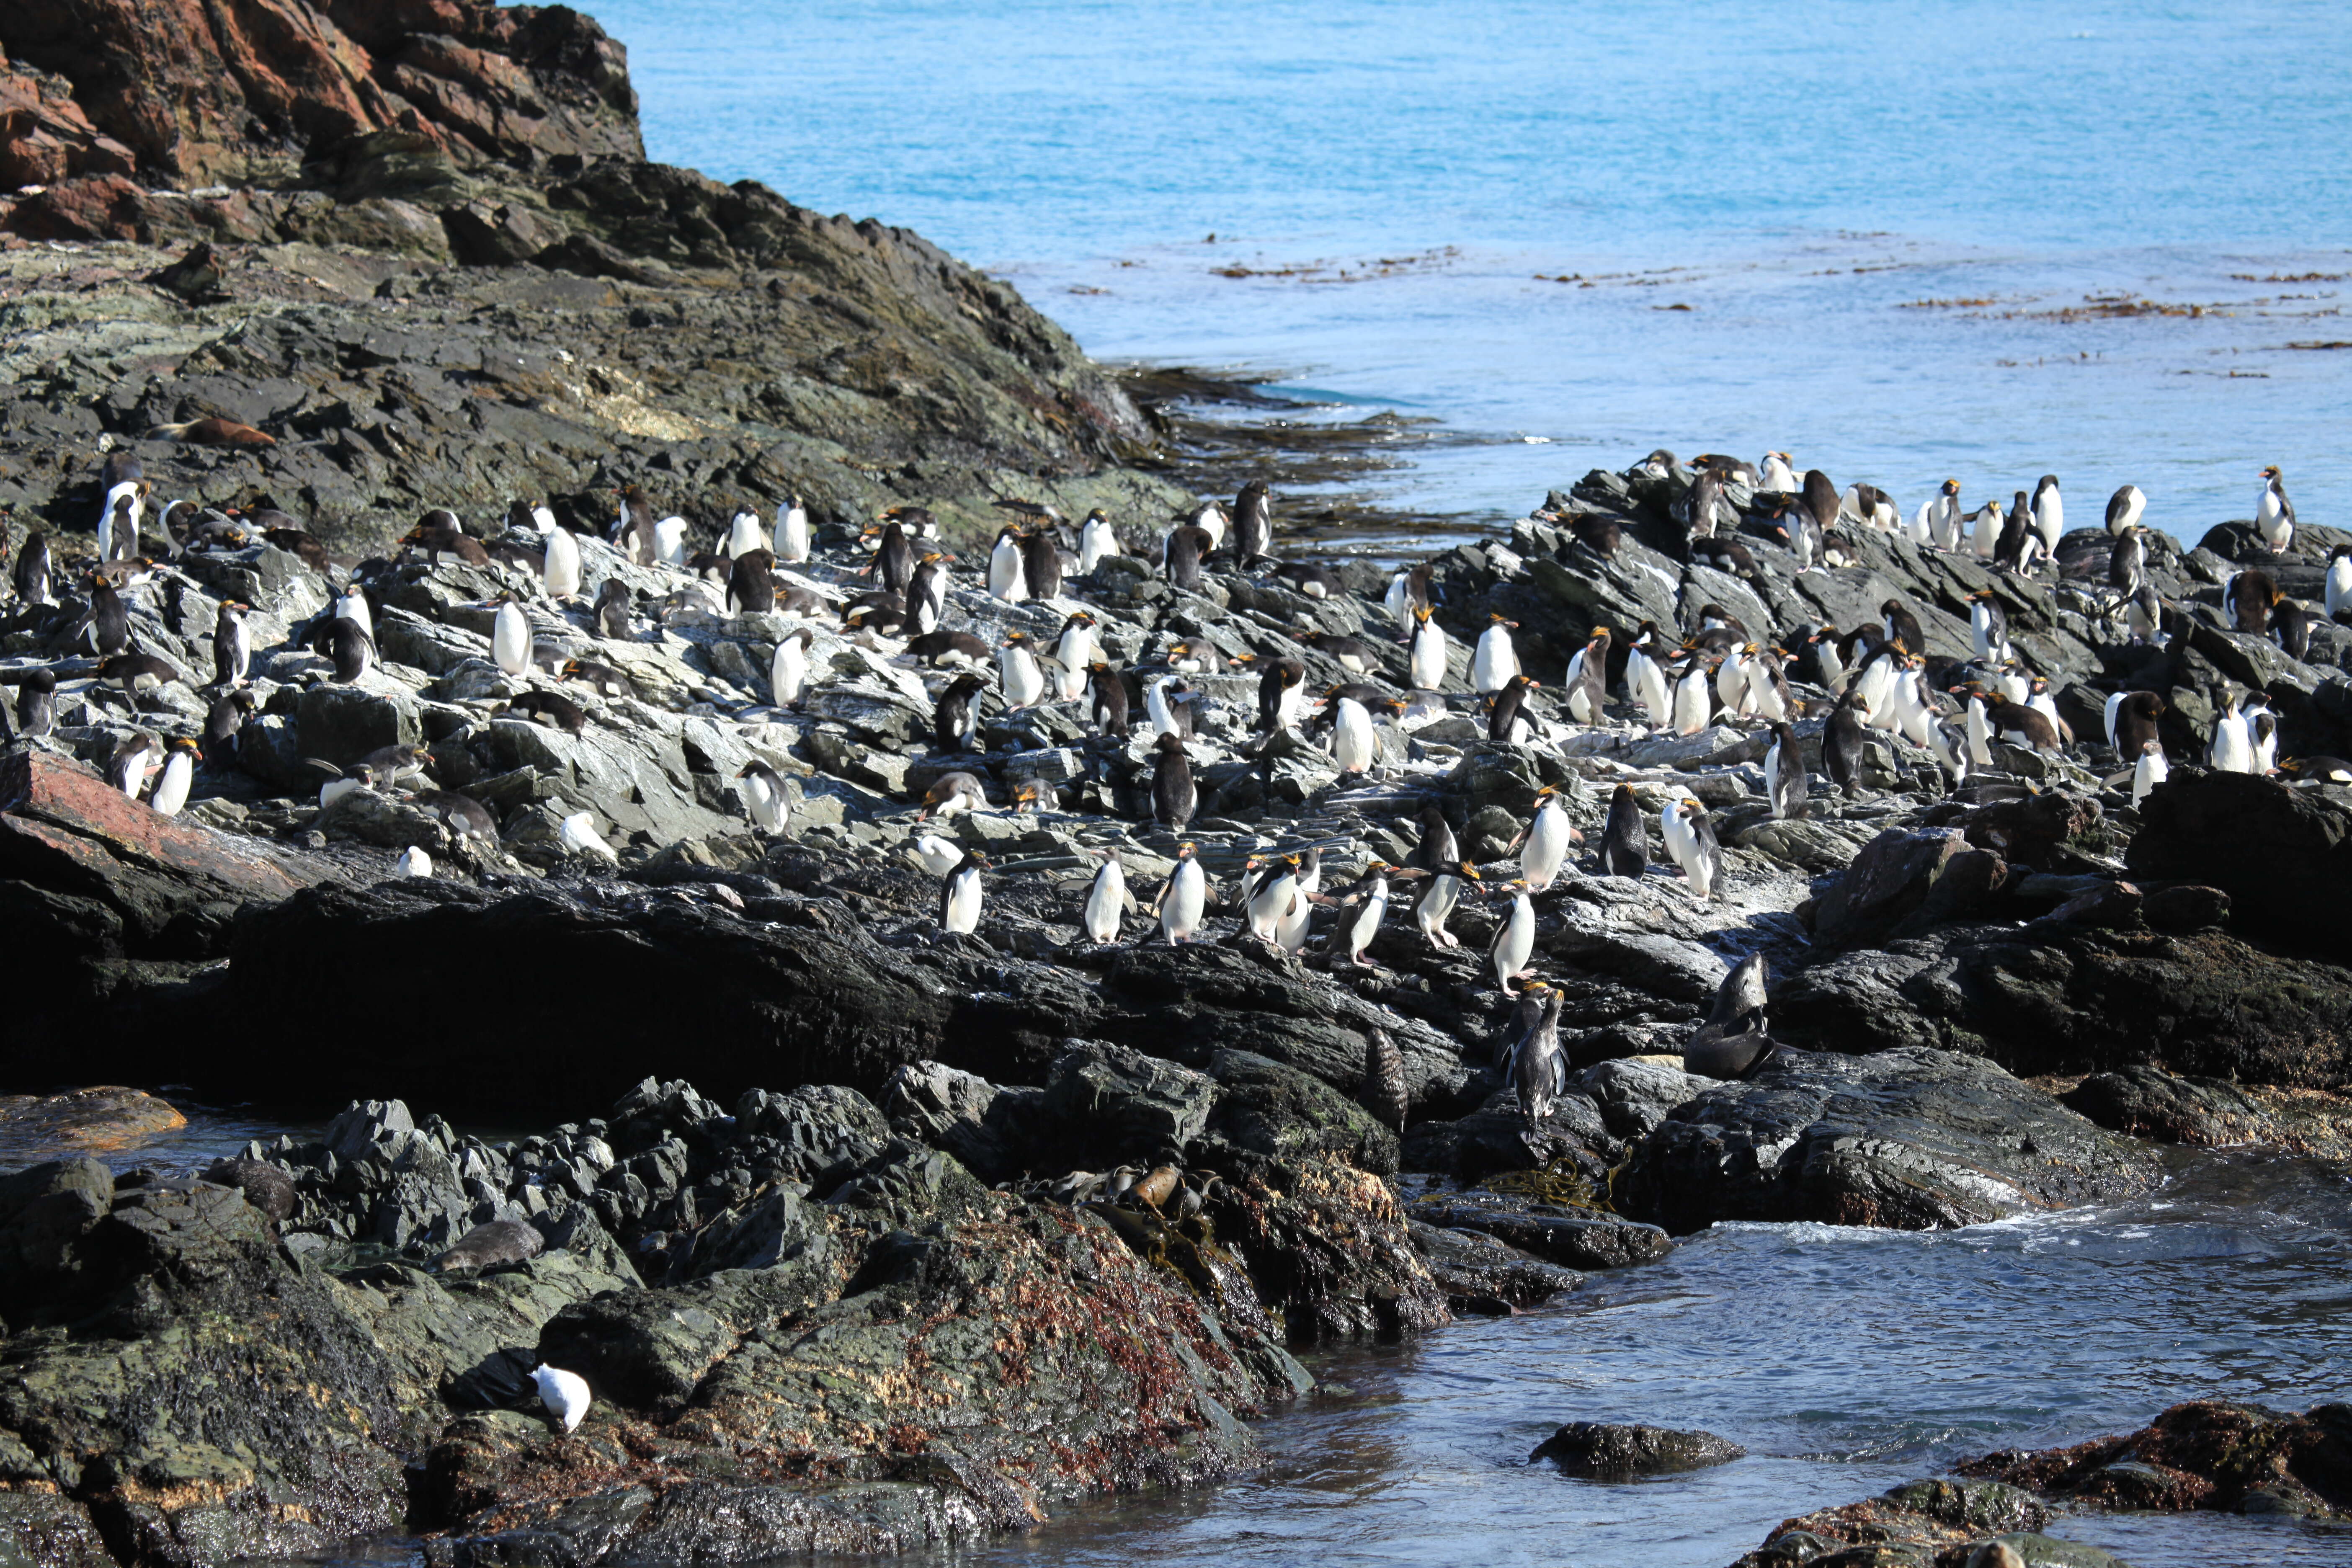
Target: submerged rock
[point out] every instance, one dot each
(1606, 1451)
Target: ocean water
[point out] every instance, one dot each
(1983, 241)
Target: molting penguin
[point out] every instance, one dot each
(1538, 1070)
(2246, 601)
(1625, 839)
(1174, 798)
(2274, 513)
(960, 895)
(1733, 1042)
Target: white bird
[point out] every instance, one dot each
(744, 533)
(1648, 684)
(2150, 771)
(353, 606)
(1426, 662)
(938, 857)
(1764, 690)
(361, 777)
(1437, 904)
(2049, 513)
(558, 568)
(577, 833)
(2339, 580)
(2262, 743)
(1775, 475)
(1694, 702)
(1290, 929)
(1270, 902)
(764, 797)
(2274, 513)
(1875, 686)
(791, 533)
(1690, 840)
(1494, 660)
(1398, 601)
(1515, 942)
(1097, 540)
(1941, 519)
(669, 540)
(1007, 577)
(1913, 717)
(1161, 708)
(1548, 837)
(413, 862)
(788, 671)
(511, 638)
(2125, 507)
(2232, 749)
(1106, 902)
(1182, 900)
(1988, 519)
(1980, 733)
(961, 899)
(1355, 743)
(564, 1394)
(1731, 692)
(1023, 680)
(1366, 925)
(171, 792)
(1078, 650)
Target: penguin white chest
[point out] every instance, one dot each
(1428, 657)
(963, 902)
(511, 639)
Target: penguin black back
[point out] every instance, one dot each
(1842, 744)
(1041, 564)
(1625, 837)
(752, 583)
(1437, 852)
(1174, 797)
(952, 716)
(1109, 700)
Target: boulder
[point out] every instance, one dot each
(1607, 1451)
(2281, 854)
(1913, 1139)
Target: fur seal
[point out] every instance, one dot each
(1733, 1042)
(490, 1244)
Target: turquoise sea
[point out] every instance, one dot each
(1987, 241)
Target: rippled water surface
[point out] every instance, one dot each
(1902, 231)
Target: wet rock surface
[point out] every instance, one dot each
(1617, 1452)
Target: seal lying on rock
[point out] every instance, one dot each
(490, 1244)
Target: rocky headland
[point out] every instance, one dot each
(867, 1233)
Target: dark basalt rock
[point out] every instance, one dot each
(1587, 1240)
(2208, 1454)
(1483, 1274)
(2149, 1102)
(1911, 1138)
(1607, 1451)
(1932, 1524)
(2073, 1001)
(2283, 854)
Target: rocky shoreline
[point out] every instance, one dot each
(916, 1236)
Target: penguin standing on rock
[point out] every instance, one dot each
(1588, 677)
(1547, 842)
(1445, 891)
(961, 894)
(1041, 565)
(1107, 901)
(1252, 525)
(171, 791)
(1690, 840)
(1109, 694)
(1785, 778)
(955, 717)
(1426, 662)
(1538, 1072)
(353, 650)
(511, 638)
(1842, 744)
(1370, 898)
(2274, 513)
(1624, 838)
(764, 796)
(232, 645)
(1494, 662)
(31, 574)
(135, 758)
(1182, 898)
(1515, 939)
(36, 703)
(612, 612)
(1508, 721)
(1174, 796)
(1437, 848)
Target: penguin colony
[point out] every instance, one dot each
(1028, 629)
